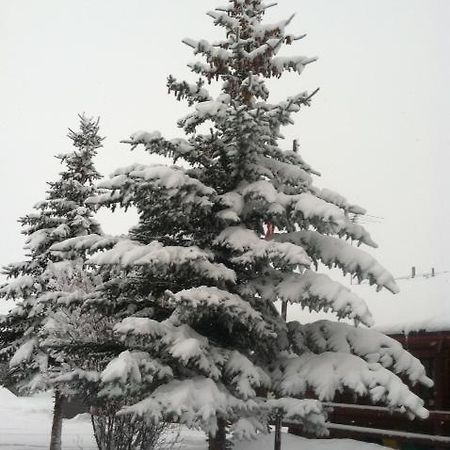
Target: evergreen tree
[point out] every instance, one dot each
(45, 282)
(194, 285)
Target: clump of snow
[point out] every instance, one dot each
(369, 344)
(339, 200)
(23, 353)
(245, 375)
(92, 242)
(252, 247)
(311, 206)
(308, 412)
(16, 287)
(331, 372)
(145, 137)
(162, 259)
(296, 63)
(317, 291)
(336, 252)
(194, 401)
(124, 368)
(204, 299)
(140, 326)
(211, 108)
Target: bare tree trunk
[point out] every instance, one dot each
(278, 420)
(277, 441)
(55, 439)
(219, 441)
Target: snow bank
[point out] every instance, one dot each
(291, 442)
(25, 423)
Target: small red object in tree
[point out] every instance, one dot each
(270, 230)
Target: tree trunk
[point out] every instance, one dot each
(219, 441)
(55, 439)
(278, 420)
(277, 441)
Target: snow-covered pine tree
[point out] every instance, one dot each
(196, 281)
(43, 283)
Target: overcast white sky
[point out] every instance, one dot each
(378, 131)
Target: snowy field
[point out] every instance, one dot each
(25, 425)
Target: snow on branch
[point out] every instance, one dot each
(371, 345)
(214, 110)
(64, 298)
(196, 302)
(163, 259)
(174, 148)
(336, 252)
(304, 206)
(191, 348)
(245, 376)
(311, 206)
(337, 199)
(90, 376)
(17, 288)
(248, 428)
(294, 170)
(181, 342)
(318, 292)
(279, 64)
(307, 412)
(192, 92)
(224, 20)
(141, 326)
(266, 30)
(194, 402)
(23, 353)
(331, 373)
(91, 243)
(160, 178)
(252, 248)
(130, 372)
(315, 208)
(357, 233)
(210, 51)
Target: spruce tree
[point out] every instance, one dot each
(194, 285)
(46, 282)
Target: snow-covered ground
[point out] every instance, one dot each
(25, 425)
